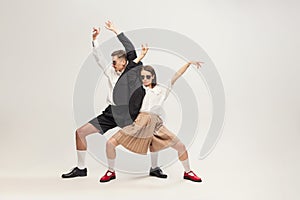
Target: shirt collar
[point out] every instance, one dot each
(156, 90)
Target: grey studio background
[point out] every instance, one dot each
(254, 46)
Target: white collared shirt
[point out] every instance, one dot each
(109, 72)
(154, 98)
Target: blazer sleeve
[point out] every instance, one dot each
(129, 48)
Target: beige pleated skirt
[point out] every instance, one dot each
(147, 132)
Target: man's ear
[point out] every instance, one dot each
(124, 61)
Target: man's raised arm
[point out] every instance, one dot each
(97, 53)
(129, 48)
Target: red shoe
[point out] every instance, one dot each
(109, 175)
(191, 176)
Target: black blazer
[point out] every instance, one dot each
(136, 101)
(125, 113)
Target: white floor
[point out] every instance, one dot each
(126, 186)
(229, 181)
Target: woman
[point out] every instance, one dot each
(148, 131)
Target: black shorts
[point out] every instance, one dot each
(105, 121)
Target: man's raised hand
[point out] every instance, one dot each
(96, 32)
(110, 26)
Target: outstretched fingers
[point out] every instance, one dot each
(198, 64)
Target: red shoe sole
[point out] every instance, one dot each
(187, 178)
(103, 181)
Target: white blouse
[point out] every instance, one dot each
(154, 98)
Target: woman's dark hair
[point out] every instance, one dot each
(152, 71)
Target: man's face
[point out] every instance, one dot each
(118, 63)
(146, 78)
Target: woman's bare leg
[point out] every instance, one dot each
(180, 148)
(111, 145)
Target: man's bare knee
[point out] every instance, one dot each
(86, 130)
(79, 133)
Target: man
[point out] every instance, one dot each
(123, 80)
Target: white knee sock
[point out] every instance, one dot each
(186, 165)
(81, 159)
(111, 164)
(154, 159)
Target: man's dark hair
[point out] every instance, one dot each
(119, 54)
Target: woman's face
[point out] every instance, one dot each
(146, 78)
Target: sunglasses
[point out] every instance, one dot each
(147, 76)
(114, 62)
